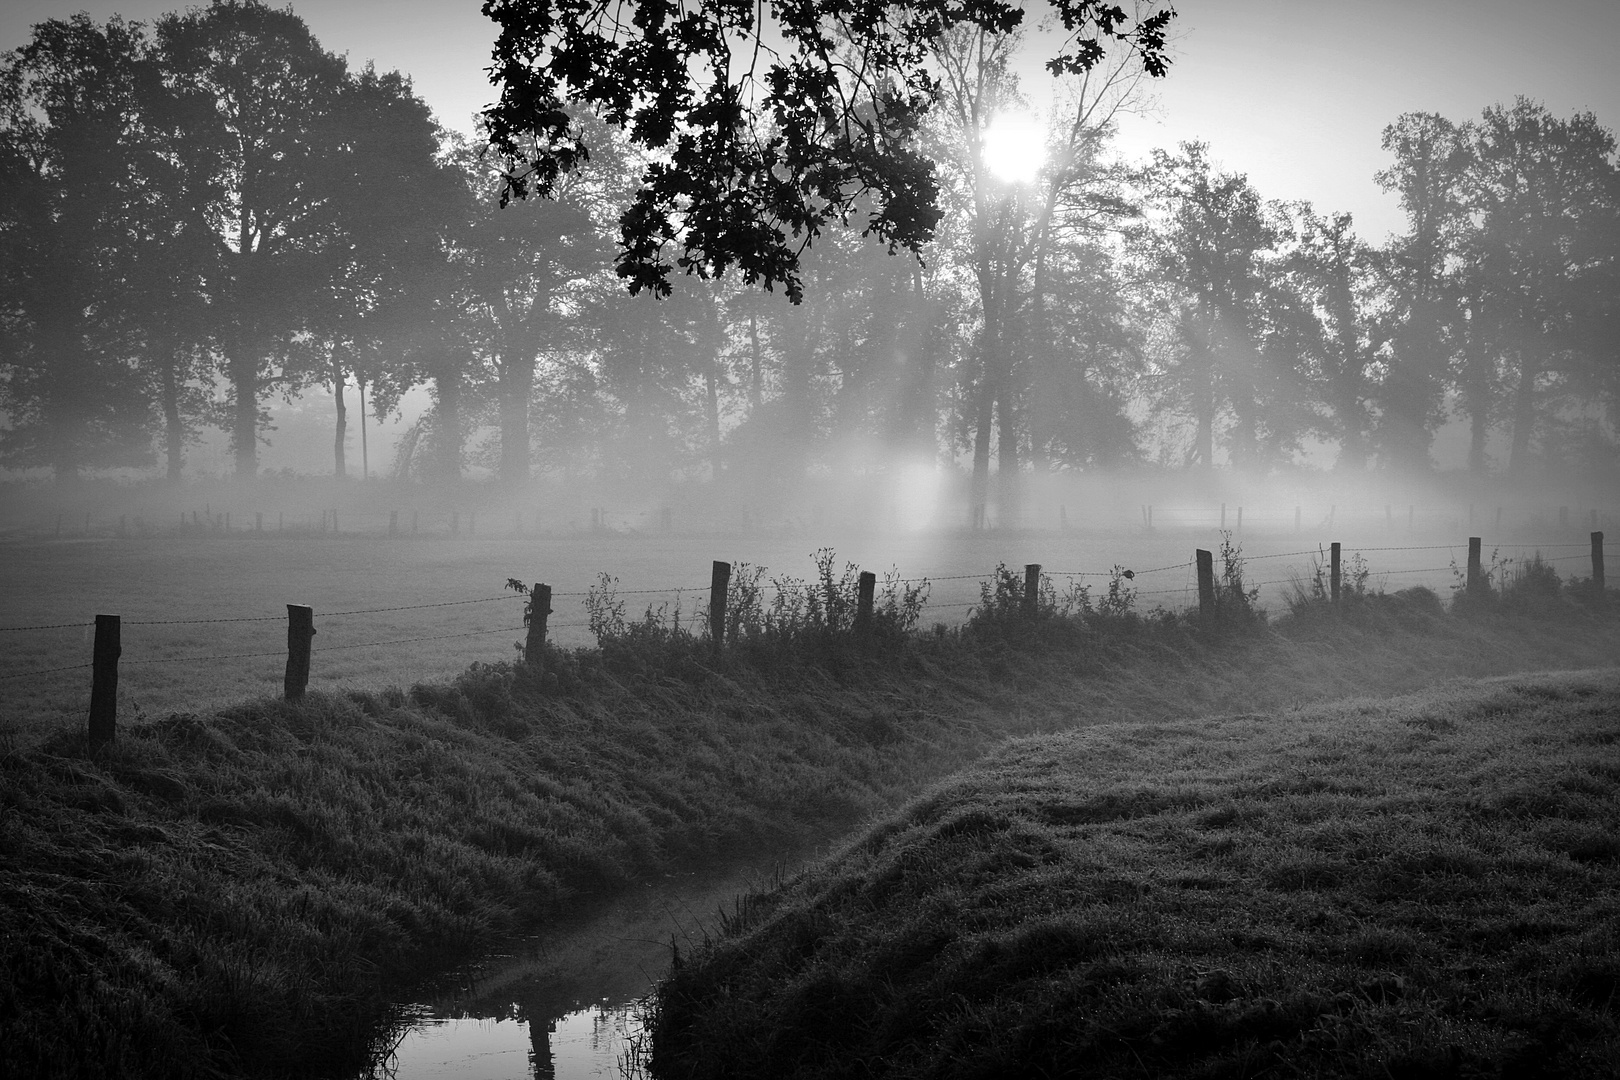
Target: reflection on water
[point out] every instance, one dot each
(561, 1006)
(592, 1042)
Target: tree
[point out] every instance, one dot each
(389, 250)
(1326, 317)
(68, 115)
(1542, 191)
(763, 123)
(1431, 159)
(256, 126)
(1205, 249)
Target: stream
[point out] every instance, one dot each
(562, 1005)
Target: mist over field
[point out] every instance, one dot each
(873, 477)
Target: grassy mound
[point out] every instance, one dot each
(1423, 886)
(234, 893)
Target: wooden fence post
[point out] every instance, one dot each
(534, 646)
(719, 582)
(104, 680)
(300, 632)
(866, 587)
(1476, 583)
(1032, 590)
(1063, 518)
(1240, 519)
(1223, 515)
(393, 522)
(334, 520)
(1206, 582)
(1597, 562)
(1333, 557)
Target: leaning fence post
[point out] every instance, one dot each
(1476, 582)
(104, 680)
(1206, 582)
(539, 608)
(300, 631)
(1597, 562)
(1032, 589)
(719, 582)
(1333, 577)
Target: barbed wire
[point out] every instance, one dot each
(430, 637)
(190, 622)
(192, 659)
(52, 626)
(45, 671)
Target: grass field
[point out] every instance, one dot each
(233, 891)
(1410, 887)
(168, 587)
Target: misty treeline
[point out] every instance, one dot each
(211, 212)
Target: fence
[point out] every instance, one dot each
(301, 630)
(1409, 519)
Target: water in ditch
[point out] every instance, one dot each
(562, 1005)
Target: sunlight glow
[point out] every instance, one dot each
(1014, 147)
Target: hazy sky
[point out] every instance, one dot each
(1293, 92)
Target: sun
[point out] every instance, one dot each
(1014, 147)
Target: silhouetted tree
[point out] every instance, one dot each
(1205, 254)
(259, 133)
(765, 124)
(1327, 317)
(1432, 156)
(69, 119)
(1542, 192)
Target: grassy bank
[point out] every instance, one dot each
(232, 893)
(1420, 886)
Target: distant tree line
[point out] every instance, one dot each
(211, 212)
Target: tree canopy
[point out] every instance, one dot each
(762, 123)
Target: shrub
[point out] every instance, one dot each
(1234, 599)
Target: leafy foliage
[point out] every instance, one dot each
(751, 158)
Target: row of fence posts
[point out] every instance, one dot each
(301, 623)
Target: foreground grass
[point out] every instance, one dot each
(1423, 886)
(233, 893)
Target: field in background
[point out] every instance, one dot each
(204, 609)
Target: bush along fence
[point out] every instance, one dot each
(835, 605)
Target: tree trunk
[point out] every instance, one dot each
(447, 389)
(1524, 410)
(516, 388)
(984, 405)
(243, 371)
(340, 466)
(174, 431)
(754, 374)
